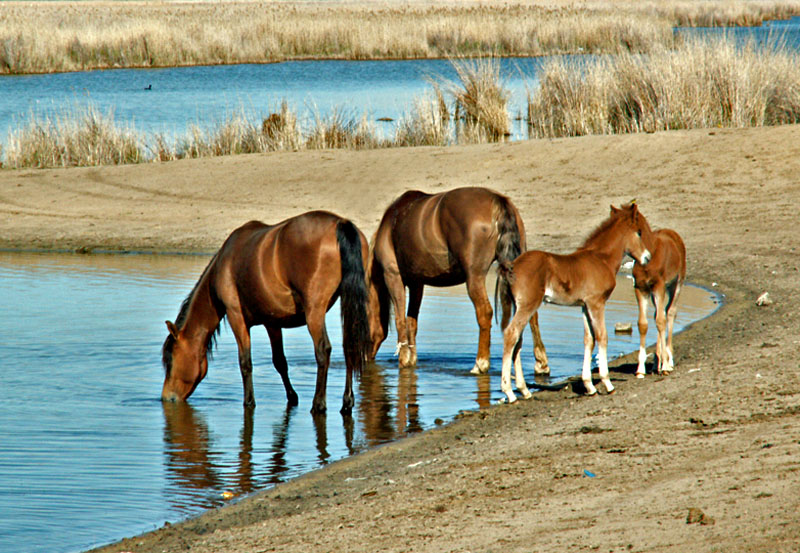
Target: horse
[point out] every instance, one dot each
(442, 239)
(661, 279)
(279, 276)
(583, 278)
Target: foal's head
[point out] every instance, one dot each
(636, 233)
(185, 365)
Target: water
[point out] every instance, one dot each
(206, 96)
(88, 453)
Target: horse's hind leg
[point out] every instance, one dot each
(476, 287)
(660, 302)
(315, 320)
(539, 353)
(672, 312)
(512, 344)
(397, 291)
(642, 299)
(595, 331)
(414, 302)
(242, 335)
(279, 361)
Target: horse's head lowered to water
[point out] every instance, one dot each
(185, 364)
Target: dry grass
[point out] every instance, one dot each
(338, 129)
(70, 36)
(704, 83)
(427, 124)
(81, 137)
(481, 99)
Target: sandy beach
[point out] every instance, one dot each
(706, 459)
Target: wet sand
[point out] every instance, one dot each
(707, 459)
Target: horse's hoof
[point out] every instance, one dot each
(639, 375)
(480, 367)
(612, 391)
(526, 394)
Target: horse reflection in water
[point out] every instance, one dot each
(195, 463)
(382, 417)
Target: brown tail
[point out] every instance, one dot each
(509, 247)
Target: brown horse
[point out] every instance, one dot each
(280, 276)
(585, 277)
(442, 240)
(661, 279)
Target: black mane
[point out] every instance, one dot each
(180, 320)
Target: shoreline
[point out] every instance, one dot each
(720, 435)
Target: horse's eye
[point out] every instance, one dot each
(639, 232)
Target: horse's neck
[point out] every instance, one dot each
(202, 317)
(609, 247)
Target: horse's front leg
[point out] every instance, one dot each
(279, 361)
(476, 288)
(242, 334)
(315, 320)
(539, 353)
(641, 299)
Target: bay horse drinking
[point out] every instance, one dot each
(442, 239)
(279, 276)
(661, 279)
(583, 278)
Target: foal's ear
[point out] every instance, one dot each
(172, 329)
(614, 209)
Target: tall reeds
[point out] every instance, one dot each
(703, 83)
(82, 137)
(63, 36)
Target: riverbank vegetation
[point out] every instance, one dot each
(711, 82)
(41, 37)
(703, 83)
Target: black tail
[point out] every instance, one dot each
(354, 297)
(509, 247)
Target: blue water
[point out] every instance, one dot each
(89, 455)
(207, 95)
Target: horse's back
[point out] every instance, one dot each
(273, 269)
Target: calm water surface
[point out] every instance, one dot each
(88, 454)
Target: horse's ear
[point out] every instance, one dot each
(614, 209)
(172, 329)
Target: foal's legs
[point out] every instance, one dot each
(279, 361)
(672, 312)
(660, 301)
(642, 299)
(414, 303)
(476, 288)
(242, 335)
(512, 344)
(315, 320)
(595, 330)
(539, 353)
